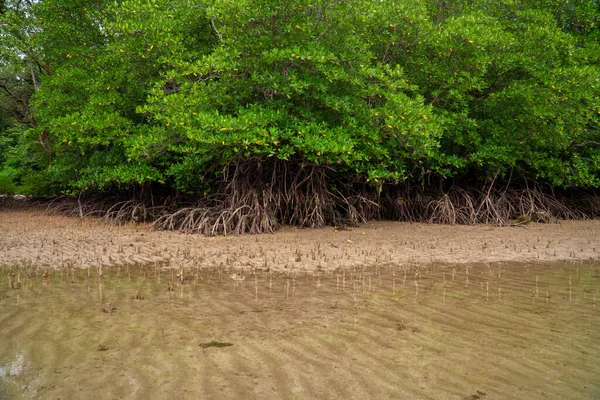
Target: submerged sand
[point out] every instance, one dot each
(32, 237)
(487, 332)
(416, 312)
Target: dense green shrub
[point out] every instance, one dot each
(169, 92)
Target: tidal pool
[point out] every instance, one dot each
(478, 331)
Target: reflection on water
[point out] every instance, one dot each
(14, 368)
(393, 331)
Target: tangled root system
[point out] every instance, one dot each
(257, 197)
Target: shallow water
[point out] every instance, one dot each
(492, 331)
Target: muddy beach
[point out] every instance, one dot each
(385, 310)
(30, 237)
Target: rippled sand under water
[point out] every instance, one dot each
(493, 331)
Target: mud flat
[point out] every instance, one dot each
(386, 310)
(30, 237)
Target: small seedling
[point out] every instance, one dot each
(400, 326)
(109, 309)
(255, 287)
(570, 290)
(287, 288)
(499, 292)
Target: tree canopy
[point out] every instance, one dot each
(102, 94)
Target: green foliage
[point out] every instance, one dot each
(142, 91)
(297, 82)
(23, 164)
(515, 91)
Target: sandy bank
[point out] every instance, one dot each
(30, 236)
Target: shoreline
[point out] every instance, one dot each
(31, 237)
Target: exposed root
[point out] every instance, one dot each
(494, 208)
(408, 205)
(442, 211)
(115, 211)
(258, 197)
(255, 199)
(130, 210)
(543, 207)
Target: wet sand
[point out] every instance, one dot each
(31, 237)
(489, 331)
(385, 310)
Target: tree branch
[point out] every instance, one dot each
(212, 22)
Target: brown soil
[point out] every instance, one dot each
(387, 310)
(32, 237)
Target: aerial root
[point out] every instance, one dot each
(258, 197)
